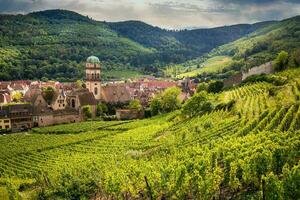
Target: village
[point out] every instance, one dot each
(27, 104)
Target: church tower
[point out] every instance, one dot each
(92, 72)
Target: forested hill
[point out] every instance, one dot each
(194, 42)
(53, 44)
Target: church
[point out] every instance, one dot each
(111, 94)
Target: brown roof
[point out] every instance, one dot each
(31, 95)
(85, 97)
(115, 94)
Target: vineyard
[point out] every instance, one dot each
(250, 151)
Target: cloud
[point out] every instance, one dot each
(167, 13)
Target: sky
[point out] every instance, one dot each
(170, 14)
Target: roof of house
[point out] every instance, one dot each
(115, 94)
(85, 97)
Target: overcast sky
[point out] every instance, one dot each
(167, 13)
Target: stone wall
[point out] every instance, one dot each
(123, 114)
(55, 119)
(66, 118)
(233, 80)
(266, 68)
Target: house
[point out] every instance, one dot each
(5, 124)
(42, 114)
(59, 100)
(5, 97)
(115, 94)
(82, 97)
(20, 116)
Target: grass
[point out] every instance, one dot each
(122, 74)
(214, 64)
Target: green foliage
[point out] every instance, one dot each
(87, 111)
(202, 87)
(281, 61)
(197, 105)
(48, 94)
(53, 44)
(291, 182)
(101, 110)
(135, 105)
(166, 102)
(215, 86)
(246, 152)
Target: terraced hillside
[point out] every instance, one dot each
(249, 150)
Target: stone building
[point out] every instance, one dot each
(5, 124)
(93, 81)
(115, 94)
(59, 100)
(20, 116)
(82, 97)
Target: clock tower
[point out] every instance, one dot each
(92, 72)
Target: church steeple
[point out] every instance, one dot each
(93, 80)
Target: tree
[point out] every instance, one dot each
(169, 99)
(294, 60)
(80, 84)
(48, 94)
(166, 102)
(17, 96)
(281, 61)
(155, 106)
(135, 105)
(87, 112)
(202, 87)
(215, 86)
(197, 105)
(102, 109)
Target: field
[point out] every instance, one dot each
(245, 152)
(212, 65)
(122, 74)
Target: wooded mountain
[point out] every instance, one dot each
(254, 49)
(53, 44)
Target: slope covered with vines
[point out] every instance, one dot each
(248, 151)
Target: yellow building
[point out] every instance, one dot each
(5, 124)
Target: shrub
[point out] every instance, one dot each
(135, 105)
(87, 112)
(102, 109)
(215, 87)
(281, 61)
(166, 102)
(197, 105)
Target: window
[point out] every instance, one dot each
(6, 121)
(7, 127)
(95, 65)
(73, 103)
(96, 91)
(93, 77)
